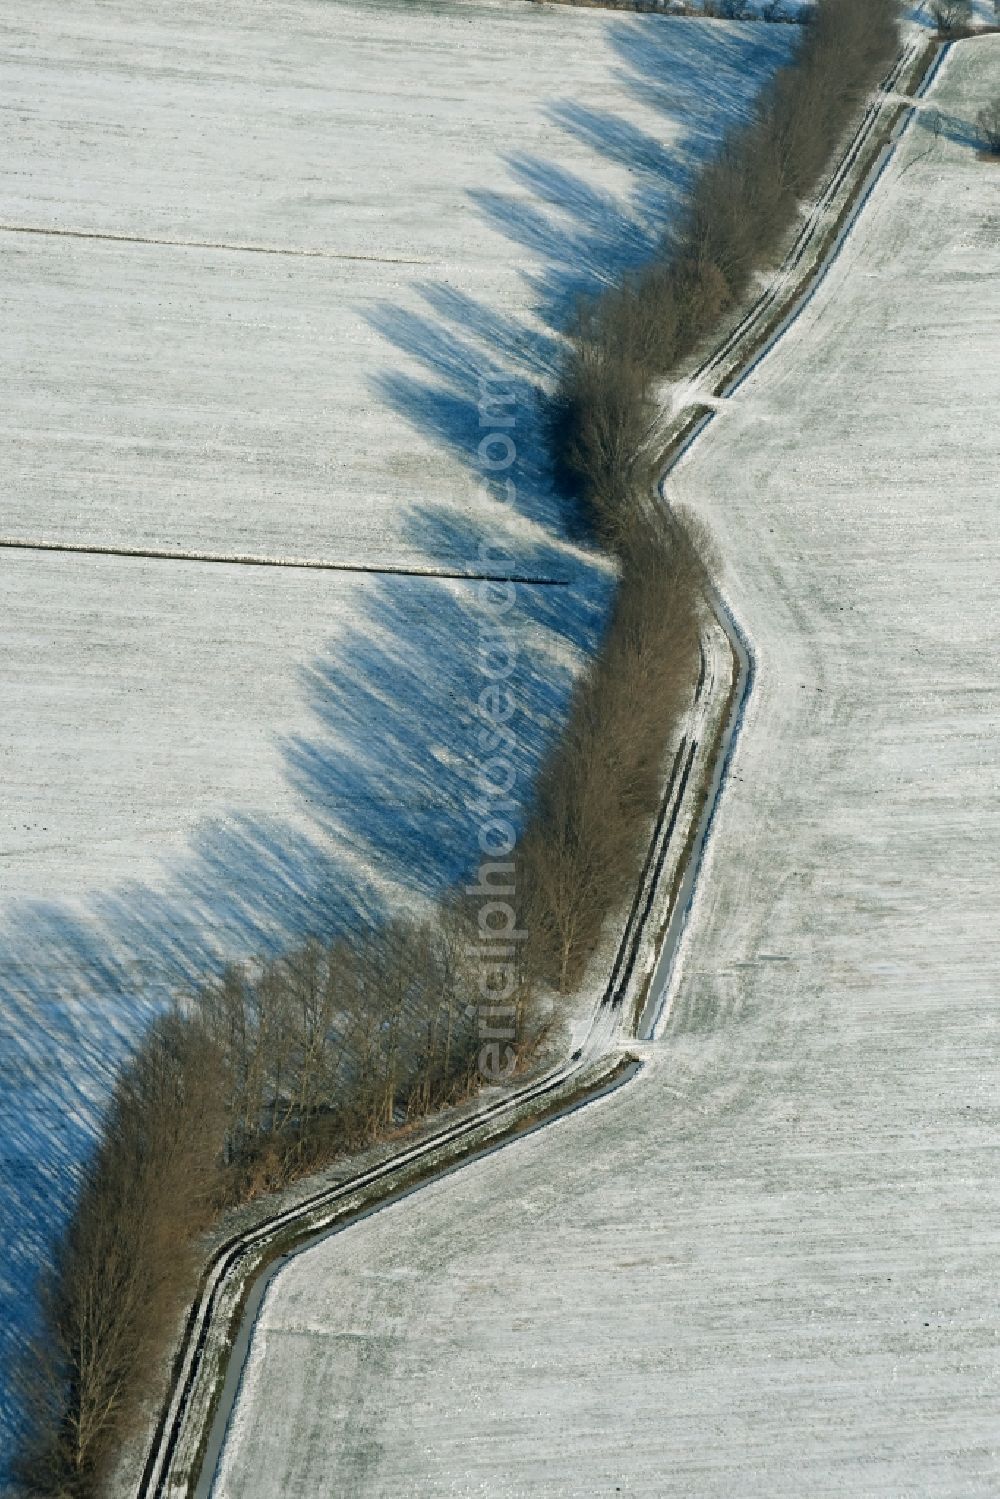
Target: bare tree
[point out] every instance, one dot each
(988, 122)
(122, 1265)
(951, 16)
(604, 421)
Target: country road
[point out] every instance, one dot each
(193, 1423)
(246, 320)
(767, 1266)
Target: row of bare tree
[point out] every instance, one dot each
(794, 12)
(602, 783)
(274, 1069)
(125, 1258)
(278, 1067)
(328, 1047)
(954, 18)
(604, 415)
(266, 1073)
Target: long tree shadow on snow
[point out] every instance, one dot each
(700, 79)
(385, 776)
(572, 239)
(385, 780)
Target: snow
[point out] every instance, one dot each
(984, 13)
(768, 1266)
(255, 263)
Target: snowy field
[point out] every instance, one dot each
(256, 261)
(767, 1267)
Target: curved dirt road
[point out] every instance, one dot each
(768, 1266)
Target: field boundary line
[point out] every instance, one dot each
(222, 559)
(109, 236)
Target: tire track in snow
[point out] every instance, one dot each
(606, 1027)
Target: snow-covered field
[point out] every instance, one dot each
(768, 1266)
(255, 262)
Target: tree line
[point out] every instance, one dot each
(266, 1073)
(622, 343)
(794, 12)
(954, 18)
(275, 1068)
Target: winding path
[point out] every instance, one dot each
(767, 1266)
(603, 1036)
